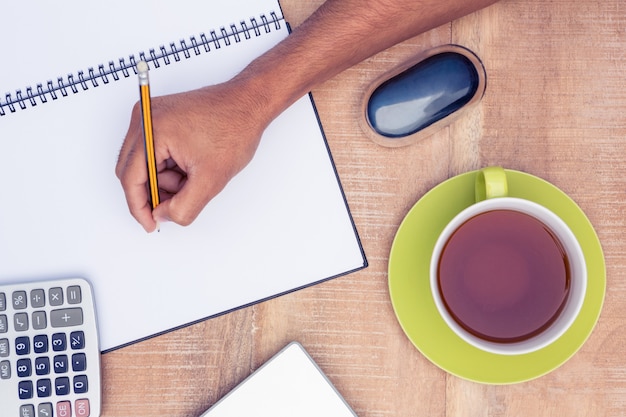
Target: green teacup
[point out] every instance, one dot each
(507, 275)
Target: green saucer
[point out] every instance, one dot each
(410, 289)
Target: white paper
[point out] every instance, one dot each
(280, 225)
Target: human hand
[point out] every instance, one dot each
(202, 138)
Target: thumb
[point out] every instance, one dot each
(185, 206)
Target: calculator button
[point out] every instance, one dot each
(4, 348)
(77, 340)
(40, 343)
(22, 346)
(4, 323)
(82, 408)
(66, 317)
(80, 384)
(5, 370)
(24, 368)
(44, 410)
(38, 298)
(20, 322)
(27, 410)
(59, 342)
(3, 301)
(62, 385)
(79, 362)
(20, 302)
(44, 388)
(60, 364)
(55, 296)
(25, 390)
(74, 295)
(39, 320)
(64, 409)
(42, 365)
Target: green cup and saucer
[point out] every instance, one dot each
(411, 297)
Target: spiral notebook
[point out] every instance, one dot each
(289, 384)
(67, 86)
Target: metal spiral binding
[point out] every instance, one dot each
(164, 55)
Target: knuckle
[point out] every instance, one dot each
(181, 215)
(119, 171)
(124, 179)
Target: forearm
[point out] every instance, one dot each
(204, 137)
(340, 34)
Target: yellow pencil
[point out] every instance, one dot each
(146, 113)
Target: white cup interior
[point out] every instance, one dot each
(578, 275)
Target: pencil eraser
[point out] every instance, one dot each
(142, 66)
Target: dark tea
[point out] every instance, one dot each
(504, 276)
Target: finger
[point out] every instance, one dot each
(142, 213)
(133, 179)
(185, 206)
(169, 163)
(171, 181)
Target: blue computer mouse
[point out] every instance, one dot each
(423, 94)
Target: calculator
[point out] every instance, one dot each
(49, 350)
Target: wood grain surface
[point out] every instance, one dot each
(554, 107)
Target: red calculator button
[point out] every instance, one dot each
(82, 408)
(64, 409)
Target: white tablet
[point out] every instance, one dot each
(289, 384)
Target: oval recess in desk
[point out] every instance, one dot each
(423, 94)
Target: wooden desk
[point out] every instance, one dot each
(554, 107)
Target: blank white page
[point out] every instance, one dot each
(290, 384)
(280, 225)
